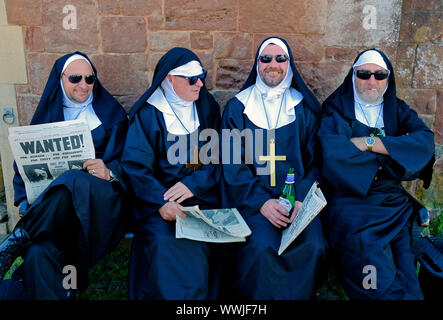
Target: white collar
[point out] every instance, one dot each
(84, 110)
(262, 103)
(185, 110)
(251, 98)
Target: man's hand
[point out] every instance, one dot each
(379, 147)
(23, 207)
(97, 168)
(359, 142)
(178, 193)
(275, 213)
(170, 210)
(297, 206)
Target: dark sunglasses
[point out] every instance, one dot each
(193, 80)
(76, 78)
(366, 74)
(267, 58)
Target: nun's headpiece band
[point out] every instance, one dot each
(73, 58)
(371, 56)
(275, 41)
(190, 69)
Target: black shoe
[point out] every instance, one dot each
(11, 248)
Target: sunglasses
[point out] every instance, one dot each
(366, 74)
(193, 80)
(76, 78)
(267, 58)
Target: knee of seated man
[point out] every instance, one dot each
(40, 251)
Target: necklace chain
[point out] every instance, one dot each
(364, 114)
(279, 109)
(193, 113)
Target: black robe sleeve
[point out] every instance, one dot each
(344, 165)
(411, 150)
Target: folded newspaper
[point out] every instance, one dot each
(313, 203)
(43, 152)
(218, 225)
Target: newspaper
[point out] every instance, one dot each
(217, 225)
(313, 203)
(43, 152)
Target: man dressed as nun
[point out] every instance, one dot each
(176, 106)
(78, 218)
(371, 142)
(282, 114)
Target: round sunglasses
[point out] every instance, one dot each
(366, 74)
(193, 80)
(76, 78)
(267, 58)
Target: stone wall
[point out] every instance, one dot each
(126, 38)
(419, 70)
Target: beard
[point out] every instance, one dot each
(273, 81)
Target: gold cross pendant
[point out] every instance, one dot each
(272, 158)
(195, 163)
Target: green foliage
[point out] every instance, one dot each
(14, 266)
(332, 289)
(436, 225)
(108, 279)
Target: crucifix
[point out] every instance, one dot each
(272, 158)
(195, 163)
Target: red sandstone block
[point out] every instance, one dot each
(406, 51)
(39, 66)
(411, 5)
(106, 7)
(165, 40)
(341, 54)
(122, 74)
(123, 34)
(201, 40)
(206, 58)
(34, 39)
(284, 16)
(24, 12)
(428, 68)
(153, 59)
(26, 105)
(231, 74)
(201, 15)
(421, 26)
(318, 76)
(424, 101)
(404, 73)
(233, 46)
(140, 7)
(59, 39)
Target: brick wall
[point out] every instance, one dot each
(126, 38)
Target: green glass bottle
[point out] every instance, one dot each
(287, 197)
